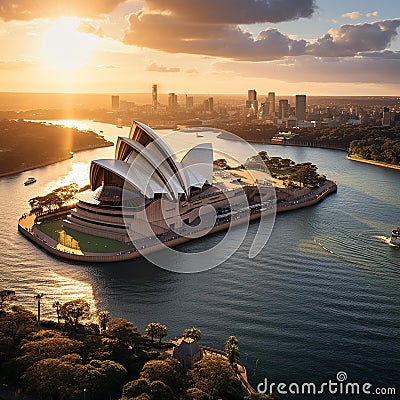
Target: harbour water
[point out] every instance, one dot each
(323, 295)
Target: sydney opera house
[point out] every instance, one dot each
(146, 191)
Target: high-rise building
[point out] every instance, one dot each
(386, 116)
(115, 103)
(189, 102)
(252, 101)
(263, 111)
(271, 101)
(211, 104)
(283, 109)
(301, 101)
(154, 99)
(172, 101)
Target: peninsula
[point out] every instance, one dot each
(26, 145)
(145, 199)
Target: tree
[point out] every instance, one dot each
(57, 306)
(123, 331)
(6, 295)
(194, 394)
(212, 375)
(192, 333)
(260, 396)
(73, 311)
(168, 371)
(48, 378)
(104, 319)
(136, 388)
(162, 331)
(38, 297)
(18, 321)
(161, 391)
(151, 330)
(232, 349)
(42, 347)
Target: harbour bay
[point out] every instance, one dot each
(322, 296)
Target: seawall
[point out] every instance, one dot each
(50, 245)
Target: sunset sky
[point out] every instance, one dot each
(320, 47)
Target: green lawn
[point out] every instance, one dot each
(86, 242)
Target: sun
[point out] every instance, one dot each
(64, 46)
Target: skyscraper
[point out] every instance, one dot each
(172, 101)
(386, 116)
(271, 101)
(154, 99)
(283, 109)
(252, 101)
(189, 102)
(115, 103)
(301, 107)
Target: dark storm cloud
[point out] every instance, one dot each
(235, 11)
(27, 10)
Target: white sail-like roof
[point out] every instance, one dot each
(146, 162)
(198, 164)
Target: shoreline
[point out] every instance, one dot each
(311, 145)
(375, 163)
(26, 226)
(45, 164)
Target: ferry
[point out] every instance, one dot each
(29, 181)
(395, 238)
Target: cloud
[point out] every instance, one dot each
(234, 11)
(160, 68)
(352, 15)
(27, 10)
(172, 34)
(374, 69)
(349, 40)
(358, 15)
(13, 65)
(387, 54)
(86, 27)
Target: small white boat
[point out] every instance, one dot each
(395, 238)
(29, 181)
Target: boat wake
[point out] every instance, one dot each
(385, 239)
(323, 247)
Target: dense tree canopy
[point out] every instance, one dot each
(24, 144)
(212, 375)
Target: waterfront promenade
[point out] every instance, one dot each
(27, 226)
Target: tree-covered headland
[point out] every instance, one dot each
(25, 145)
(80, 354)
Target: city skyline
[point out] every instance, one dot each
(121, 46)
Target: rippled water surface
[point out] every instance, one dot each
(322, 296)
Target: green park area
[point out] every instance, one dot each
(78, 240)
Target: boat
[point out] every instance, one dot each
(395, 238)
(29, 181)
